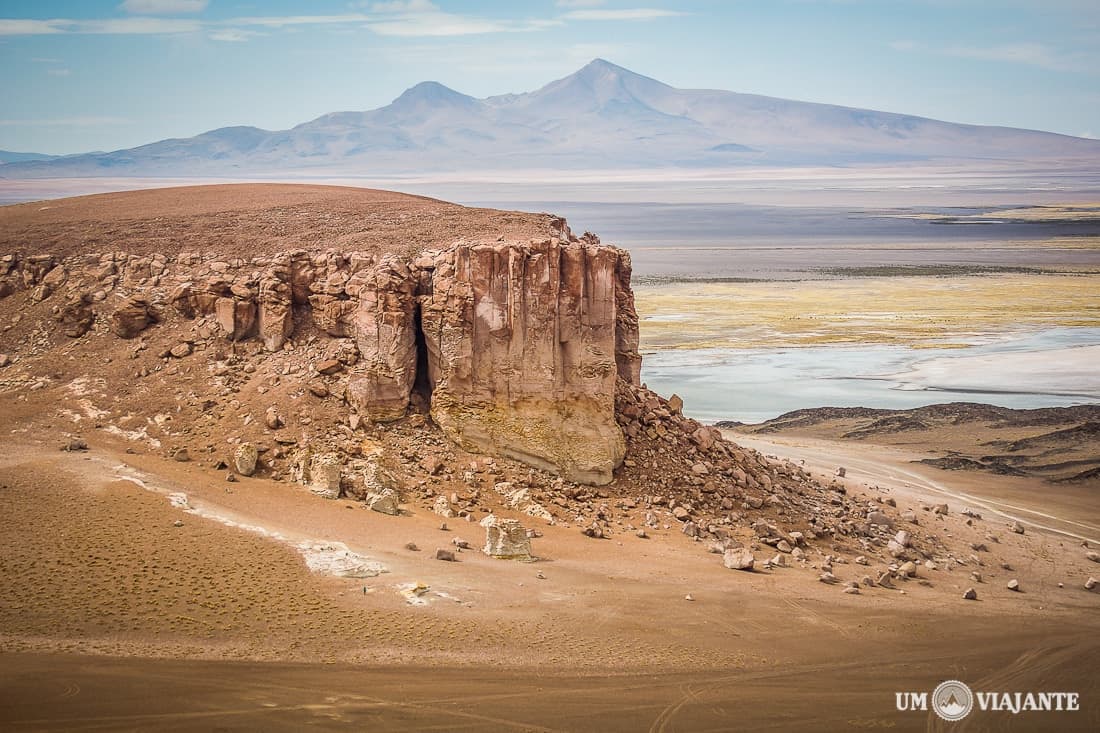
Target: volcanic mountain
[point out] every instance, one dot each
(602, 116)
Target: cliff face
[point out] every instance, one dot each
(514, 347)
(521, 352)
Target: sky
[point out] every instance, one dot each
(82, 75)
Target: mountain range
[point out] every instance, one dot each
(602, 116)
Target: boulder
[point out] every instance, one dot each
(272, 419)
(329, 367)
(442, 506)
(76, 318)
(324, 475)
(236, 317)
(520, 499)
(384, 502)
(132, 317)
(704, 438)
(880, 519)
(970, 594)
(180, 350)
(244, 459)
(507, 539)
(738, 558)
(447, 555)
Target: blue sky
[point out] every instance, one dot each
(83, 75)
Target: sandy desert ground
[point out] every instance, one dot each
(115, 618)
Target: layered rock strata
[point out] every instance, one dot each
(513, 347)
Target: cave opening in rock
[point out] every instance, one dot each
(422, 385)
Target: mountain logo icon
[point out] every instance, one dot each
(952, 700)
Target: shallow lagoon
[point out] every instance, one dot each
(752, 385)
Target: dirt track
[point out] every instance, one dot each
(1028, 500)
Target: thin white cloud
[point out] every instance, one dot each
(118, 26)
(27, 27)
(232, 35)
(622, 14)
(416, 19)
(160, 26)
(437, 24)
(404, 6)
(89, 121)
(1029, 54)
(579, 3)
(285, 21)
(163, 7)
(136, 26)
(59, 72)
(1026, 54)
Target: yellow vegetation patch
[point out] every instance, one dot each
(913, 311)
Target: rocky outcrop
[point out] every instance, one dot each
(521, 343)
(384, 328)
(514, 348)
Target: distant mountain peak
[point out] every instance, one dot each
(602, 65)
(601, 69)
(433, 93)
(598, 83)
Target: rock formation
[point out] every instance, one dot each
(506, 539)
(523, 347)
(513, 347)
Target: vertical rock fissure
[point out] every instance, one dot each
(422, 384)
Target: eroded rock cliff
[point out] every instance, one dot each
(514, 347)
